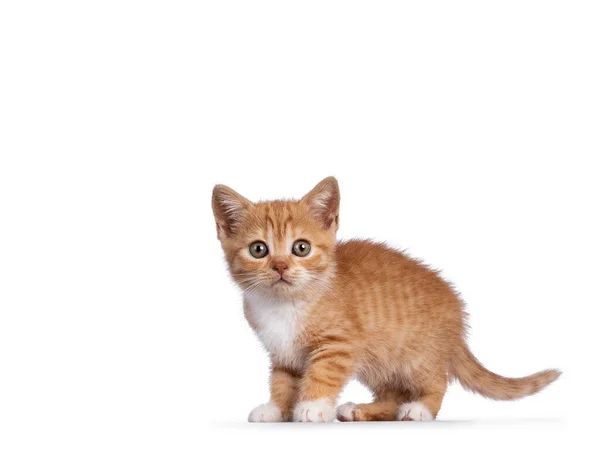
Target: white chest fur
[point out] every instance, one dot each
(278, 324)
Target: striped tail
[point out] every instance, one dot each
(474, 377)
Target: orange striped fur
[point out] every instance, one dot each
(347, 309)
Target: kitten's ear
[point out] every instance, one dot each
(324, 202)
(229, 209)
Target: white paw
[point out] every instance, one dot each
(320, 410)
(345, 412)
(265, 413)
(416, 411)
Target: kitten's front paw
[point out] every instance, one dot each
(268, 412)
(320, 410)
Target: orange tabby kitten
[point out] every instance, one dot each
(327, 311)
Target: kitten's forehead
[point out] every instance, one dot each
(280, 217)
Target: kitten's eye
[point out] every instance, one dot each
(259, 249)
(301, 248)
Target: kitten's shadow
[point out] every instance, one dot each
(396, 425)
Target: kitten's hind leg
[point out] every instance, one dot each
(349, 412)
(428, 403)
(383, 408)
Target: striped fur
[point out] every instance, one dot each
(348, 309)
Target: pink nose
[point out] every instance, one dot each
(280, 267)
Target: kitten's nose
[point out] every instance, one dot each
(279, 266)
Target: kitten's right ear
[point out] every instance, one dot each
(229, 209)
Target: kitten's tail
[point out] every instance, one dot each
(474, 377)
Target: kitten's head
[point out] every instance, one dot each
(279, 249)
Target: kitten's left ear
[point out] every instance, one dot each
(324, 203)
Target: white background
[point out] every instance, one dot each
(465, 132)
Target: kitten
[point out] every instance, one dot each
(327, 311)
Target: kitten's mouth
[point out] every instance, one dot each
(282, 281)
